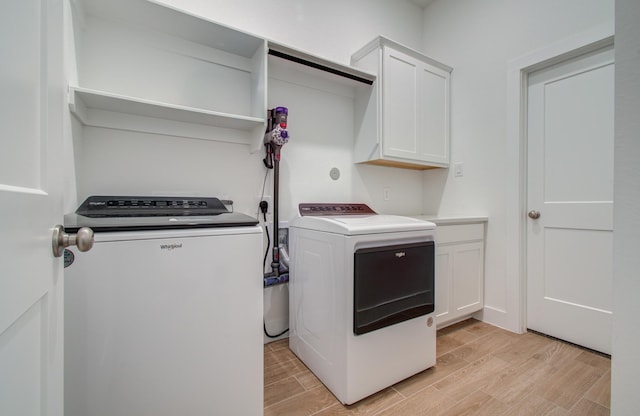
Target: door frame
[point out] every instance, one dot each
(514, 317)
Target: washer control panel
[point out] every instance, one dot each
(317, 209)
(141, 206)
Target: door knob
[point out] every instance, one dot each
(83, 240)
(534, 215)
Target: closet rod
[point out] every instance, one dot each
(319, 66)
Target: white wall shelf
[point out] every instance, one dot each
(142, 66)
(164, 19)
(102, 109)
(348, 74)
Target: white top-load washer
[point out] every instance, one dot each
(361, 290)
(163, 316)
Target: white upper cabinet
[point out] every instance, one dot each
(138, 65)
(404, 121)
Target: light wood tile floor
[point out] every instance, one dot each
(480, 370)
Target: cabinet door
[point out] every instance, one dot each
(444, 278)
(415, 109)
(399, 104)
(433, 110)
(468, 278)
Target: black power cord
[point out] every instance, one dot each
(264, 325)
(264, 207)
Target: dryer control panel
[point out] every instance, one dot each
(317, 209)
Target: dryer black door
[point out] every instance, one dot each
(392, 284)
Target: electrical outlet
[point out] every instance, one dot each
(268, 200)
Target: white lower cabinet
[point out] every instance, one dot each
(459, 272)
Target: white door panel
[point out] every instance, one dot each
(21, 65)
(30, 205)
(575, 171)
(570, 183)
(582, 253)
(21, 359)
(597, 215)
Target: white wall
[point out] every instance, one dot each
(320, 119)
(333, 29)
(479, 39)
(625, 364)
(320, 124)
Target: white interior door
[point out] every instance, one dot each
(31, 106)
(570, 186)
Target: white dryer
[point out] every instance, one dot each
(361, 290)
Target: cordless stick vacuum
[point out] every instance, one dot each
(275, 137)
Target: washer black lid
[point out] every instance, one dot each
(144, 213)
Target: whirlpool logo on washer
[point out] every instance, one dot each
(170, 247)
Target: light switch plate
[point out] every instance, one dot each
(458, 170)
